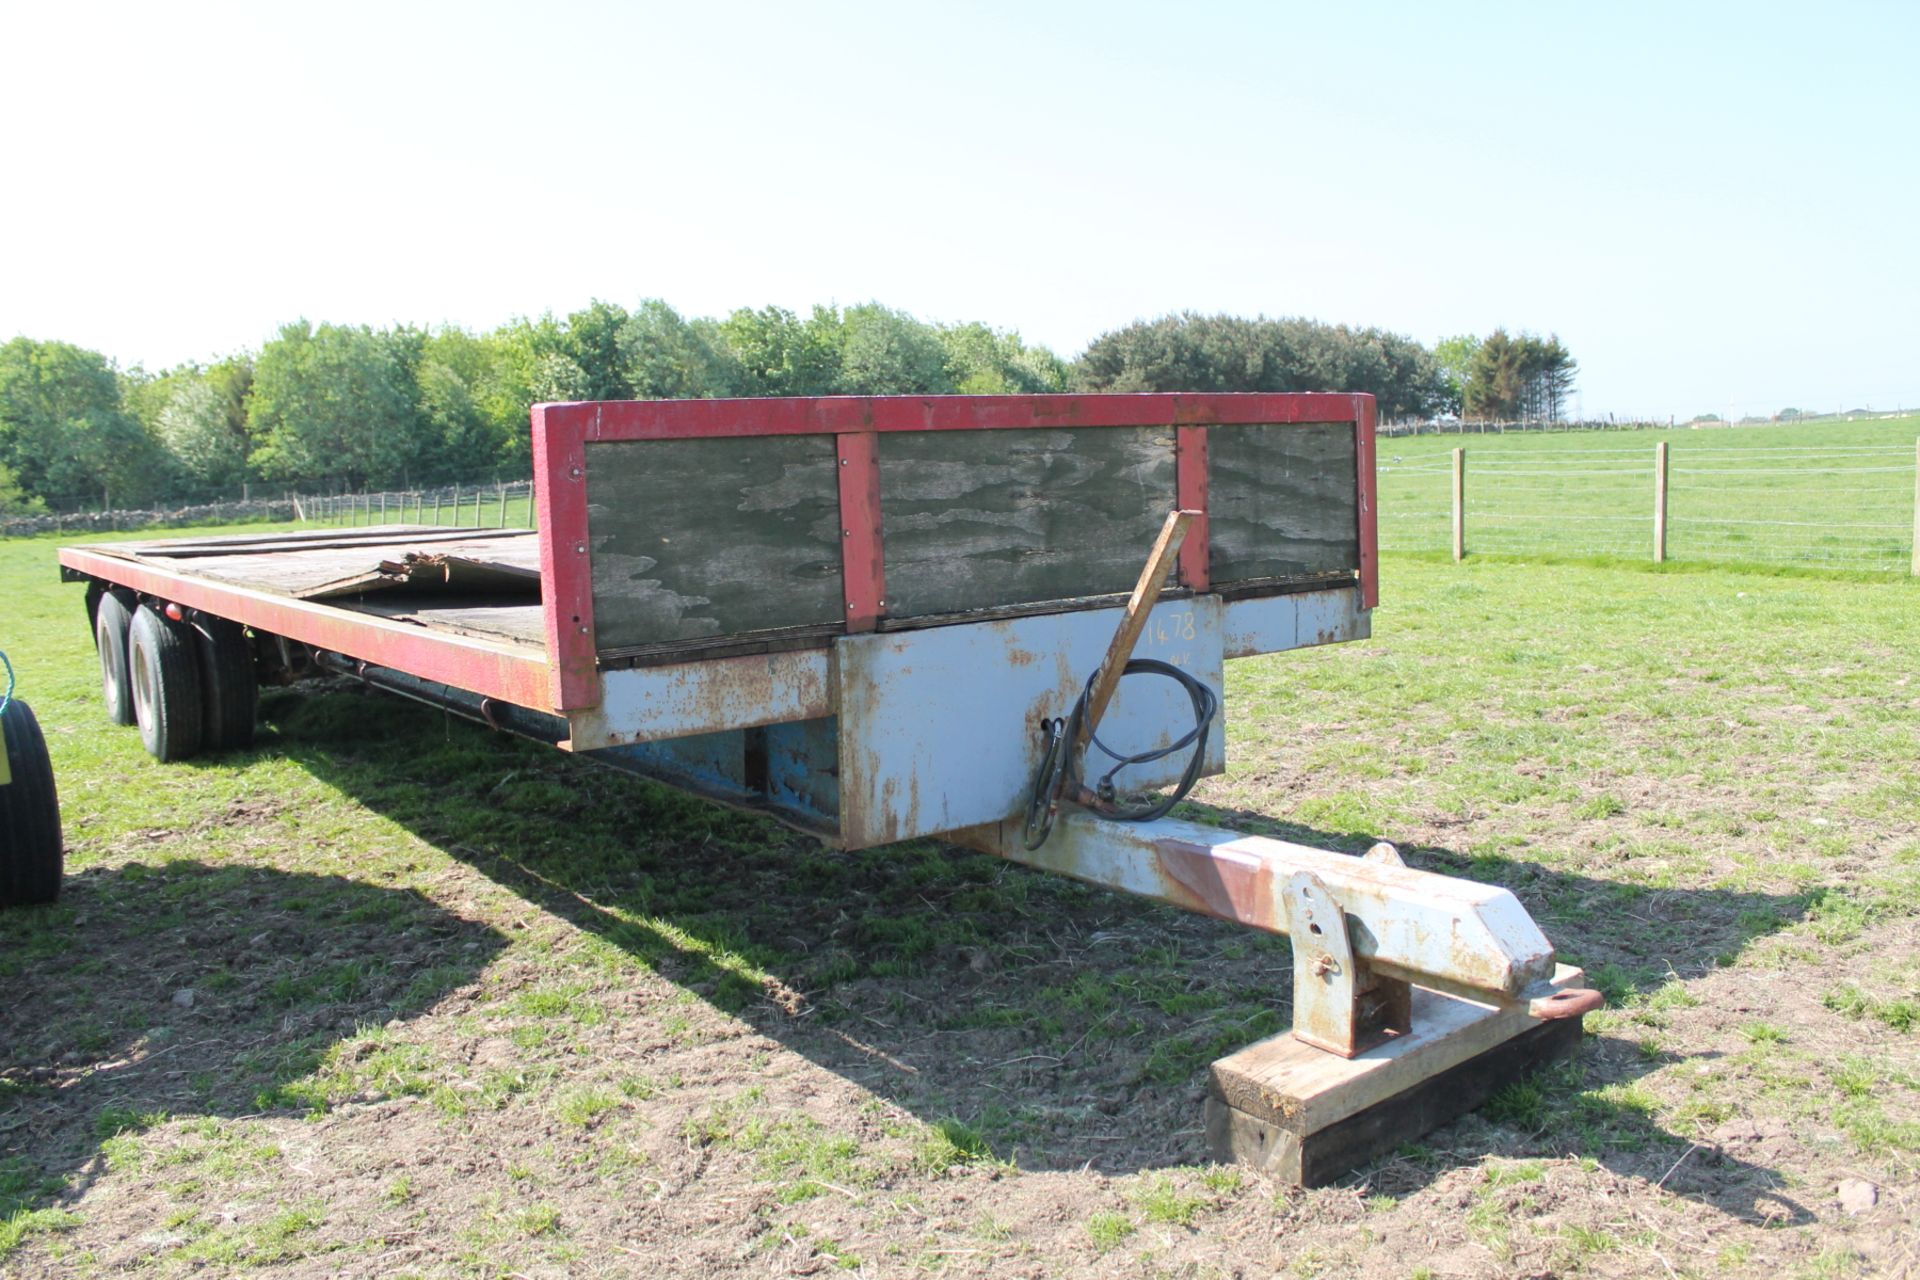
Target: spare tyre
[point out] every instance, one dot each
(31, 850)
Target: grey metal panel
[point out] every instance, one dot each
(712, 537)
(1281, 501)
(940, 728)
(646, 704)
(1270, 624)
(985, 519)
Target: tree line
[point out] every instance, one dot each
(1502, 378)
(331, 406)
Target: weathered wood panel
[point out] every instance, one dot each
(984, 519)
(712, 537)
(1282, 501)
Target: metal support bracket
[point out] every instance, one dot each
(1340, 1003)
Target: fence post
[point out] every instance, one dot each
(530, 501)
(456, 504)
(436, 508)
(1459, 504)
(1660, 503)
(503, 502)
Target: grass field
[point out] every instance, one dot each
(465, 1006)
(1835, 495)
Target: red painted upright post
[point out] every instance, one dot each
(862, 555)
(566, 564)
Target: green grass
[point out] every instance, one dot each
(1836, 495)
(1678, 773)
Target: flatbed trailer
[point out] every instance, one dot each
(876, 620)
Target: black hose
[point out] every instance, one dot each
(1056, 768)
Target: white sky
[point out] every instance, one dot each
(1712, 205)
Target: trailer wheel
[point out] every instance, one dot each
(229, 690)
(166, 685)
(111, 620)
(30, 845)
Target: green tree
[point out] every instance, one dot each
(1497, 380)
(982, 361)
(666, 358)
(591, 340)
(336, 402)
(1191, 352)
(1454, 358)
(64, 432)
(15, 501)
(779, 354)
(519, 375)
(204, 428)
(886, 353)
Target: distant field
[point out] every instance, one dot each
(1825, 495)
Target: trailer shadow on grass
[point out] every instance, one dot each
(1058, 1025)
(173, 990)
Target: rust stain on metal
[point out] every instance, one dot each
(1219, 883)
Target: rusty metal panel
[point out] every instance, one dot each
(941, 728)
(650, 704)
(1271, 624)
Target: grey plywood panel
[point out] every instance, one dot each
(1282, 501)
(712, 537)
(984, 519)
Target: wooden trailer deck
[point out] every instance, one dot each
(479, 583)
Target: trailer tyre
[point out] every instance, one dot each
(230, 692)
(111, 622)
(167, 701)
(30, 846)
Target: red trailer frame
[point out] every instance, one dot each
(561, 433)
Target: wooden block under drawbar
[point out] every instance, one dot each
(1297, 1087)
(1315, 1159)
(1289, 1088)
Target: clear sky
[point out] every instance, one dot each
(1713, 205)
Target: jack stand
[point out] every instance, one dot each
(1416, 995)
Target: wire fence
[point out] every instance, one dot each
(499, 505)
(1839, 506)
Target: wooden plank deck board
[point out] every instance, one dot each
(519, 623)
(320, 567)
